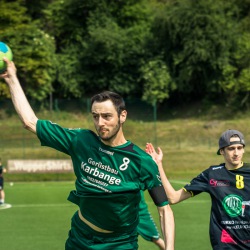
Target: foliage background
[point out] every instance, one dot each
(161, 51)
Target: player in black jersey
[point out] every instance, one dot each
(229, 187)
(110, 173)
(2, 193)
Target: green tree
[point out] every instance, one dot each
(197, 39)
(236, 74)
(33, 50)
(157, 81)
(153, 49)
(235, 81)
(100, 44)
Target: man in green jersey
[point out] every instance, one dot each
(228, 184)
(110, 173)
(147, 228)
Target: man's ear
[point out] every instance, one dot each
(123, 116)
(222, 151)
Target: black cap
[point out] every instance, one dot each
(224, 140)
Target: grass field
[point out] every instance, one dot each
(40, 218)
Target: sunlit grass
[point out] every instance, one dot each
(40, 218)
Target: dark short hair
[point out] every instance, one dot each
(115, 98)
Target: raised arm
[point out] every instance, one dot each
(21, 104)
(174, 196)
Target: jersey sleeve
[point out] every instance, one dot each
(198, 184)
(54, 136)
(151, 180)
(150, 176)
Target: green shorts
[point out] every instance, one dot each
(147, 228)
(83, 237)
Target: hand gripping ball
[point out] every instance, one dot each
(5, 51)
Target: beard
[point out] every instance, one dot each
(112, 134)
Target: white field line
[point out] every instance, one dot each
(5, 206)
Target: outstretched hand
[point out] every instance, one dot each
(157, 156)
(10, 71)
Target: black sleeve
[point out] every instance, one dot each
(199, 184)
(159, 196)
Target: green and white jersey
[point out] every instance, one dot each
(108, 179)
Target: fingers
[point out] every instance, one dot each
(159, 150)
(149, 148)
(6, 59)
(4, 74)
(160, 153)
(10, 69)
(9, 63)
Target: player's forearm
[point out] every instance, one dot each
(167, 226)
(172, 194)
(21, 104)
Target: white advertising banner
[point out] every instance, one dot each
(39, 166)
